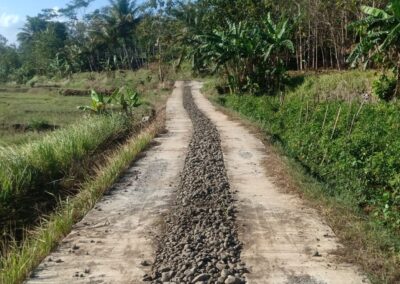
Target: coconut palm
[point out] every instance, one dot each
(123, 18)
(114, 27)
(33, 26)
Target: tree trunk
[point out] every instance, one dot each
(316, 48)
(335, 45)
(397, 90)
(160, 69)
(301, 52)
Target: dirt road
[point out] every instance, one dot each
(110, 243)
(283, 240)
(222, 221)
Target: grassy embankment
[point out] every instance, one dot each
(61, 174)
(50, 167)
(21, 259)
(344, 151)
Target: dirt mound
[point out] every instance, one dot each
(14, 90)
(84, 93)
(200, 244)
(32, 126)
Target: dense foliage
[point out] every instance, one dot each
(9, 60)
(380, 40)
(126, 35)
(353, 147)
(59, 43)
(249, 54)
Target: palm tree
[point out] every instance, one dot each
(380, 37)
(114, 27)
(123, 18)
(32, 27)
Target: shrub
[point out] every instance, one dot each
(384, 87)
(353, 147)
(40, 125)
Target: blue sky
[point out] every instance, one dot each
(13, 13)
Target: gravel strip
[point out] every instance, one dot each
(200, 243)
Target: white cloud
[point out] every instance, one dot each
(8, 20)
(56, 10)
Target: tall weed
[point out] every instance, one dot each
(49, 158)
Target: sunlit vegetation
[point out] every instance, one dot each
(348, 143)
(284, 64)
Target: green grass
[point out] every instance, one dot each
(54, 154)
(88, 80)
(349, 147)
(26, 108)
(33, 176)
(335, 85)
(18, 263)
(19, 111)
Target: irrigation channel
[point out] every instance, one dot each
(206, 204)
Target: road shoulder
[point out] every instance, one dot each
(284, 240)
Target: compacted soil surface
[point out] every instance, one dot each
(201, 207)
(200, 242)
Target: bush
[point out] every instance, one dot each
(384, 87)
(354, 148)
(40, 125)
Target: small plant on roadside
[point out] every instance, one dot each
(129, 100)
(99, 103)
(39, 125)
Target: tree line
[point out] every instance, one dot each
(250, 42)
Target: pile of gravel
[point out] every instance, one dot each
(200, 243)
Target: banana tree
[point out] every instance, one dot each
(380, 38)
(99, 103)
(129, 100)
(274, 41)
(230, 50)
(250, 54)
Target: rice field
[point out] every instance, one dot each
(26, 114)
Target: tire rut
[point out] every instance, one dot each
(200, 241)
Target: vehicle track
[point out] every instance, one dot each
(223, 220)
(200, 242)
(284, 240)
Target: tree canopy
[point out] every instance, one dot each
(251, 43)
